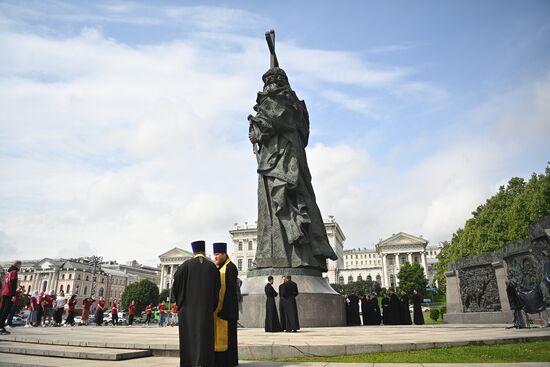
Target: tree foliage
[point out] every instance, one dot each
(411, 276)
(504, 217)
(361, 287)
(164, 294)
(143, 292)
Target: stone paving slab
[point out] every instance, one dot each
(47, 350)
(255, 344)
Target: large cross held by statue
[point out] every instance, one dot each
(270, 38)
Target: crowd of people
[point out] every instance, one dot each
(394, 311)
(55, 310)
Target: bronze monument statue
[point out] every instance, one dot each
(291, 233)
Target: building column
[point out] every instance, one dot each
(161, 277)
(172, 267)
(424, 263)
(384, 271)
(410, 257)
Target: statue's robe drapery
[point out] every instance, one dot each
(196, 288)
(272, 323)
(291, 232)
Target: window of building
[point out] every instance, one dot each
(70, 276)
(63, 276)
(369, 278)
(378, 279)
(240, 245)
(250, 246)
(350, 279)
(85, 291)
(240, 264)
(78, 277)
(68, 288)
(100, 293)
(61, 288)
(341, 279)
(249, 263)
(87, 278)
(359, 278)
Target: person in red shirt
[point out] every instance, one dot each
(47, 305)
(86, 304)
(71, 311)
(148, 312)
(174, 314)
(9, 294)
(99, 311)
(162, 314)
(33, 308)
(131, 312)
(114, 313)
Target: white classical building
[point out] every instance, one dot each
(380, 264)
(244, 247)
(169, 262)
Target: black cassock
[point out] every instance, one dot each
(405, 314)
(230, 312)
(196, 288)
(282, 292)
(290, 307)
(376, 309)
(386, 311)
(394, 310)
(354, 310)
(272, 323)
(417, 309)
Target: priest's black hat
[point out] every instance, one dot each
(198, 246)
(220, 247)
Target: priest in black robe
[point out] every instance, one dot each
(196, 290)
(282, 293)
(394, 309)
(405, 313)
(354, 309)
(291, 322)
(376, 309)
(418, 316)
(227, 312)
(386, 311)
(272, 323)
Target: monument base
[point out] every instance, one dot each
(497, 317)
(318, 304)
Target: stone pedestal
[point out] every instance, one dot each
(318, 304)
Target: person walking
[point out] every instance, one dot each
(9, 294)
(99, 312)
(86, 304)
(59, 308)
(131, 312)
(174, 314)
(196, 289)
(71, 310)
(162, 314)
(114, 313)
(148, 313)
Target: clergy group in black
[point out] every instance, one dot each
(207, 293)
(288, 309)
(395, 310)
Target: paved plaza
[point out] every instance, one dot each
(154, 346)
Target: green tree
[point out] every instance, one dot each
(361, 287)
(411, 276)
(504, 217)
(164, 295)
(143, 292)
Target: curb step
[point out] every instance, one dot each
(64, 351)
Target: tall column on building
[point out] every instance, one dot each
(384, 271)
(161, 278)
(172, 270)
(410, 257)
(424, 263)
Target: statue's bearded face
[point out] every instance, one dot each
(274, 81)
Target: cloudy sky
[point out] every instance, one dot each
(123, 128)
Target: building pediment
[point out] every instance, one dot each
(402, 239)
(47, 263)
(174, 253)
